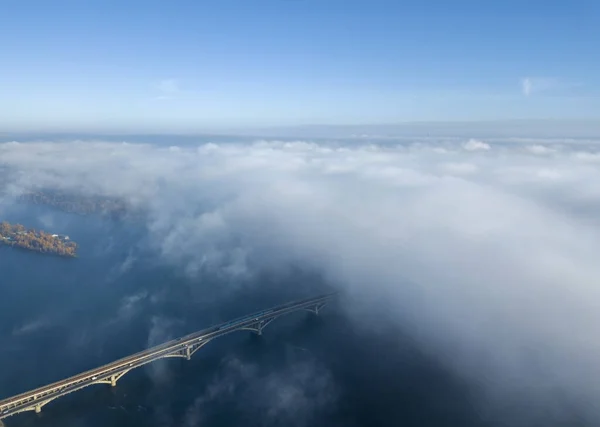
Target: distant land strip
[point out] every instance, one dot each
(77, 203)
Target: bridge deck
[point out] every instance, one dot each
(181, 347)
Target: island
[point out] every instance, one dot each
(16, 235)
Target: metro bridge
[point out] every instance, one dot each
(183, 347)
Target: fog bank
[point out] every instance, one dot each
(484, 252)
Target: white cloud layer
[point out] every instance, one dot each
(488, 257)
(540, 149)
(475, 145)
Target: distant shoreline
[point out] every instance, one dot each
(76, 204)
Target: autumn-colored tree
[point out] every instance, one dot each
(38, 241)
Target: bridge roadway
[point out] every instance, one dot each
(183, 347)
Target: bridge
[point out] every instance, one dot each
(183, 347)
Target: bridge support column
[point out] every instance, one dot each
(188, 354)
(38, 409)
(113, 381)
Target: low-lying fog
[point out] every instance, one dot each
(482, 254)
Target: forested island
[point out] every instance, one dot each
(16, 235)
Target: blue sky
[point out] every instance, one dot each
(188, 65)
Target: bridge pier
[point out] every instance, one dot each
(38, 409)
(113, 381)
(316, 309)
(188, 354)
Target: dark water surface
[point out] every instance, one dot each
(59, 317)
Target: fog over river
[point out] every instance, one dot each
(467, 271)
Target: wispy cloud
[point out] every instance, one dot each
(533, 85)
(290, 396)
(33, 326)
(168, 88)
(526, 86)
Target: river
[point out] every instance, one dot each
(61, 316)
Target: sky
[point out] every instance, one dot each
(191, 65)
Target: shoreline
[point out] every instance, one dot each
(4, 246)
